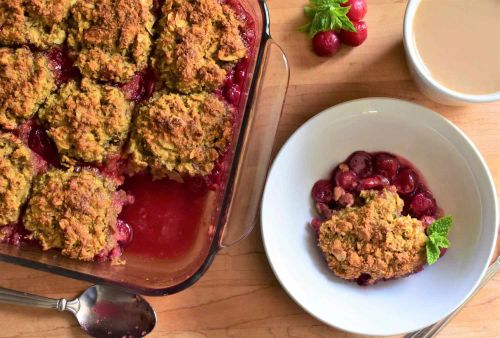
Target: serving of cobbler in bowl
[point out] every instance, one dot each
(377, 219)
(379, 216)
(122, 125)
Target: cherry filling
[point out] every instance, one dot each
(366, 171)
(166, 216)
(141, 86)
(62, 65)
(42, 145)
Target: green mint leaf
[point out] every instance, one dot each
(440, 241)
(432, 251)
(335, 23)
(320, 21)
(347, 24)
(441, 226)
(437, 238)
(326, 2)
(341, 11)
(326, 15)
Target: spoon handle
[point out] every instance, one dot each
(22, 298)
(434, 329)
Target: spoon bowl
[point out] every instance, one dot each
(110, 312)
(101, 311)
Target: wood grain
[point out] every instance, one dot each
(239, 296)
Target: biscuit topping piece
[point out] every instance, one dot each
(75, 212)
(198, 41)
(88, 122)
(111, 39)
(16, 173)
(180, 134)
(40, 23)
(25, 82)
(373, 241)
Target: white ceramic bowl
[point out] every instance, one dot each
(455, 172)
(430, 87)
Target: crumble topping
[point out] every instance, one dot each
(75, 212)
(16, 173)
(111, 39)
(198, 40)
(41, 23)
(177, 135)
(25, 82)
(374, 239)
(87, 121)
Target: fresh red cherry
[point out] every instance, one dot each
(355, 38)
(406, 181)
(322, 191)
(326, 43)
(361, 163)
(358, 9)
(386, 165)
(347, 180)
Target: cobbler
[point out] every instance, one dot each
(175, 135)
(25, 82)
(374, 239)
(41, 23)
(17, 170)
(111, 39)
(75, 212)
(198, 41)
(87, 121)
(138, 95)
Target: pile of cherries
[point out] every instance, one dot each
(327, 43)
(366, 171)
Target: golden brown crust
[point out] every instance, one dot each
(374, 239)
(111, 39)
(25, 82)
(197, 41)
(180, 134)
(38, 22)
(88, 122)
(75, 212)
(16, 173)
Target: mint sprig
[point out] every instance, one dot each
(327, 15)
(437, 238)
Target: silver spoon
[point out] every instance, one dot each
(434, 329)
(101, 311)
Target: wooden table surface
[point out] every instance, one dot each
(239, 296)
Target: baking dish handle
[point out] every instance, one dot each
(259, 137)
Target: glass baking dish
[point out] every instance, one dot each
(229, 212)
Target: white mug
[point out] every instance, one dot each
(423, 79)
